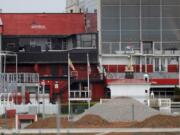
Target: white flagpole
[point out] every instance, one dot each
(179, 73)
(88, 66)
(69, 85)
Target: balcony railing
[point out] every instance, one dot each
(9, 81)
(78, 94)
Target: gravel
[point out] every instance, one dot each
(121, 109)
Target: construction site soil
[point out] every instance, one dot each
(92, 121)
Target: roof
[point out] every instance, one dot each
(42, 23)
(126, 81)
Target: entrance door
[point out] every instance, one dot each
(147, 47)
(160, 64)
(157, 64)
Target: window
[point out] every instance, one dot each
(86, 41)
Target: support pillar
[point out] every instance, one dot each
(0, 51)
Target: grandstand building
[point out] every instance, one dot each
(140, 40)
(42, 43)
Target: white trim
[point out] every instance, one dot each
(162, 86)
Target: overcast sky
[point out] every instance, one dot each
(31, 6)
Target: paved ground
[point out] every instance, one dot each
(93, 130)
(121, 109)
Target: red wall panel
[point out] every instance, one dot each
(136, 68)
(149, 68)
(164, 81)
(121, 68)
(97, 91)
(44, 70)
(172, 68)
(113, 68)
(42, 24)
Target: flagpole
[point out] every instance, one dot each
(69, 85)
(88, 66)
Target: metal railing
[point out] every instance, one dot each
(9, 81)
(80, 94)
(157, 75)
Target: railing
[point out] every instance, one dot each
(167, 52)
(9, 81)
(119, 48)
(157, 75)
(28, 78)
(80, 94)
(19, 78)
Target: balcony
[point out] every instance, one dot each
(78, 56)
(80, 95)
(167, 52)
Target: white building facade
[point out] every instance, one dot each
(72, 6)
(76, 6)
(144, 34)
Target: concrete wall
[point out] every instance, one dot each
(136, 91)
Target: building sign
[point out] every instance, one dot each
(38, 26)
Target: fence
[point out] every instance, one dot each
(30, 108)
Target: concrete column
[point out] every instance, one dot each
(0, 51)
(145, 64)
(140, 64)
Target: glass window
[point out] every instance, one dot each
(110, 11)
(150, 23)
(111, 36)
(171, 23)
(130, 24)
(110, 24)
(130, 11)
(106, 48)
(110, 2)
(130, 36)
(171, 35)
(115, 47)
(150, 2)
(151, 35)
(134, 46)
(130, 2)
(171, 2)
(149, 60)
(171, 11)
(150, 11)
(157, 46)
(171, 46)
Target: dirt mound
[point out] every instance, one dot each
(160, 121)
(92, 120)
(48, 123)
(88, 121)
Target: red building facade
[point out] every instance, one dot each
(42, 43)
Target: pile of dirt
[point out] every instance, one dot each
(49, 123)
(160, 121)
(88, 121)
